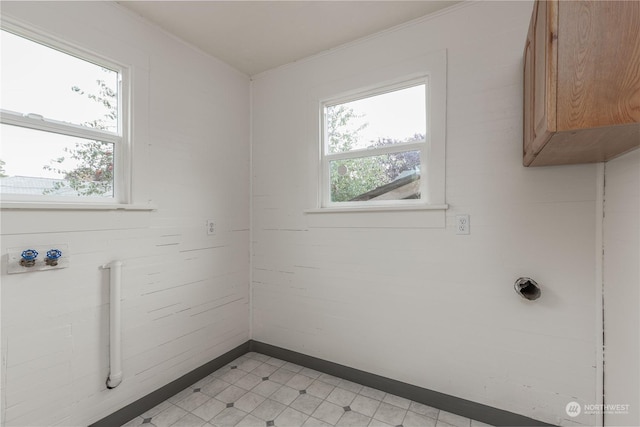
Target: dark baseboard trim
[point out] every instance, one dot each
(456, 405)
(154, 398)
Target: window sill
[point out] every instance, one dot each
(361, 209)
(76, 206)
(423, 216)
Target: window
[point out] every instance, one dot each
(378, 160)
(63, 124)
(375, 146)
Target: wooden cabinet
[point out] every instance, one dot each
(581, 82)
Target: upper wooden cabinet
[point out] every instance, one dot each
(581, 82)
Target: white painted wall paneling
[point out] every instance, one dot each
(185, 294)
(424, 305)
(622, 288)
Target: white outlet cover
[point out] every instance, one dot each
(462, 224)
(15, 255)
(211, 227)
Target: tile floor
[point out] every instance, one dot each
(259, 391)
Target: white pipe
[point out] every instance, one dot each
(115, 339)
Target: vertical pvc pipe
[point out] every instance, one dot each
(115, 338)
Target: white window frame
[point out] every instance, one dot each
(430, 67)
(123, 189)
(420, 146)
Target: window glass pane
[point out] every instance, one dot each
(375, 121)
(34, 162)
(394, 176)
(41, 80)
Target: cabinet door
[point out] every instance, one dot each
(527, 119)
(542, 74)
(599, 64)
(540, 68)
(545, 53)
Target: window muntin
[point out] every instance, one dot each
(63, 123)
(374, 147)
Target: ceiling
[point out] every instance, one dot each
(255, 36)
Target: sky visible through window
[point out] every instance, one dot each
(38, 79)
(365, 162)
(397, 115)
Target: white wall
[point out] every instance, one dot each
(622, 287)
(421, 305)
(185, 295)
(424, 305)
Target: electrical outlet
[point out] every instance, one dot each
(462, 224)
(211, 227)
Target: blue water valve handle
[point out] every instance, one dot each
(54, 254)
(29, 258)
(29, 255)
(52, 257)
